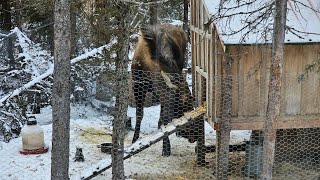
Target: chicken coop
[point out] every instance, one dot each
(231, 55)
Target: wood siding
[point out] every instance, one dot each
(300, 103)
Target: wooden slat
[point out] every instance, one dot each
(249, 86)
(200, 31)
(201, 71)
(310, 87)
(192, 4)
(202, 51)
(199, 88)
(201, 14)
(283, 123)
(235, 85)
(219, 60)
(291, 94)
(211, 80)
(194, 62)
(265, 55)
(197, 13)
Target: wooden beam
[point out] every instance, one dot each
(201, 148)
(201, 72)
(283, 123)
(200, 31)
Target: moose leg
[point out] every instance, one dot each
(166, 116)
(139, 94)
(166, 147)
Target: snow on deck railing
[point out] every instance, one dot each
(24, 42)
(141, 144)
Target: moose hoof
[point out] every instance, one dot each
(166, 153)
(134, 139)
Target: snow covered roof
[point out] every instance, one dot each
(303, 22)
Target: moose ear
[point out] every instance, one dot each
(149, 34)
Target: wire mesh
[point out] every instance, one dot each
(193, 152)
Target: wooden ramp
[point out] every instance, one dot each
(144, 143)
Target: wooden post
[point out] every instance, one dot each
(273, 108)
(223, 128)
(201, 148)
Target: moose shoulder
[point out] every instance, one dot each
(160, 48)
(157, 67)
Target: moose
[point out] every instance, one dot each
(157, 67)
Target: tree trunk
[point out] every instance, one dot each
(7, 26)
(186, 28)
(61, 92)
(185, 16)
(121, 88)
(73, 17)
(224, 128)
(273, 108)
(153, 13)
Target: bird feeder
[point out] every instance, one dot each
(32, 138)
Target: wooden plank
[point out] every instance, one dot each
(212, 74)
(265, 59)
(252, 91)
(210, 81)
(310, 87)
(202, 51)
(218, 77)
(207, 55)
(204, 90)
(199, 89)
(291, 94)
(194, 64)
(235, 82)
(249, 97)
(201, 148)
(192, 4)
(281, 124)
(200, 31)
(201, 14)
(197, 13)
(200, 71)
(197, 49)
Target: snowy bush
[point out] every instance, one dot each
(11, 120)
(30, 61)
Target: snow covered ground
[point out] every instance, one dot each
(89, 128)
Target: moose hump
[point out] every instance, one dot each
(160, 47)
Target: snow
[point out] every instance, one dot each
(90, 126)
(299, 17)
(27, 85)
(84, 119)
(24, 42)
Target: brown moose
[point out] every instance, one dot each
(157, 67)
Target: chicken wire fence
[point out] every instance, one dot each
(192, 154)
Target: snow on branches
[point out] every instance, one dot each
(27, 85)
